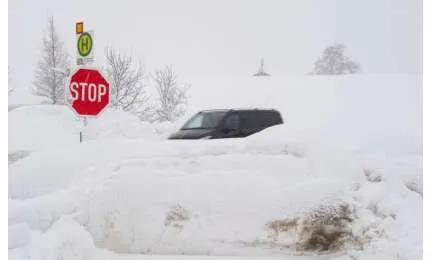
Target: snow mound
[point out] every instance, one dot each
(19, 235)
(113, 124)
(36, 127)
(67, 240)
(163, 197)
(41, 126)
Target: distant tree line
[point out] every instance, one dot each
(333, 61)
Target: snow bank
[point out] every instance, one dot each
(36, 127)
(347, 142)
(225, 195)
(41, 126)
(19, 235)
(22, 96)
(66, 239)
(114, 124)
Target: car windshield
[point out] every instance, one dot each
(205, 120)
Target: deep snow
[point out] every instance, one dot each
(351, 140)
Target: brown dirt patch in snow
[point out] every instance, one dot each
(324, 228)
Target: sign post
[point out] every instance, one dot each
(88, 89)
(82, 131)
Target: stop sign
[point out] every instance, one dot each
(88, 92)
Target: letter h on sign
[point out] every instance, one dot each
(84, 44)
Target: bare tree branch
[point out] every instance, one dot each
(128, 90)
(172, 99)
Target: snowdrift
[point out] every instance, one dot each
(35, 127)
(341, 179)
(218, 198)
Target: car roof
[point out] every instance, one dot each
(215, 110)
(239, 109)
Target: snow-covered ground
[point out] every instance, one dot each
(344, 168)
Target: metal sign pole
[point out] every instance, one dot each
(82, 130)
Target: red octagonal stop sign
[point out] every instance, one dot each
(88, 91)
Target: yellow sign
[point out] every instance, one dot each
(79, 27)
(85, 44)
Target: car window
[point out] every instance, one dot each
(205, 120)
(258, 119)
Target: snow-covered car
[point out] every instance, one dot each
(228, 123)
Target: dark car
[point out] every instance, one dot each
(227, 123)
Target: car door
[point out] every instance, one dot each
(231, 127)
(250, 122)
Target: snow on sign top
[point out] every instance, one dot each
(89, 92)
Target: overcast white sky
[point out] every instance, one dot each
(226, 38)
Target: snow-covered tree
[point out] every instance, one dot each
(49, 79)
(127, 81)
(334, 62)
(172, 98)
